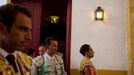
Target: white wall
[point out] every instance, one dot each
(108, 38)
(2, 2)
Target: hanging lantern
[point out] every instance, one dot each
(99, 14)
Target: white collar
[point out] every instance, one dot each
(49, 56)
(5, 53)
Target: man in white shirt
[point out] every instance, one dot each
(49, 63)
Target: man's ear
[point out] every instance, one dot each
(86, 52)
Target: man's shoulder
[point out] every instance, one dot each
(38, 61)
(38, 58)
(24, 55)
(59, 58)
(5, 68)
(2, 58)
(86, 61)
(25, 58)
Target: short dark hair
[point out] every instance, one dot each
(48, 40)
(8, 13)
(84, 48)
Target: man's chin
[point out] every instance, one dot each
(20, 48)
(91, 56)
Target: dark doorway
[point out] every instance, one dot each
(57, 30)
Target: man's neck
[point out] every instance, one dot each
(6, 48)
(87, 57)
(50, 54)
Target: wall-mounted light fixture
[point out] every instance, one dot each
(99, 14)
(54, 18)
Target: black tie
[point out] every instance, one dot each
(11, 59)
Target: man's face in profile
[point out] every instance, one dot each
(20, 32)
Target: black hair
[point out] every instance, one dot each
(84, 48)
(48, 40)
(8, 13)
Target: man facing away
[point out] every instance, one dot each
(15, 32)
(49, 63)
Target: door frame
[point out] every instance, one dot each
(68, 37)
